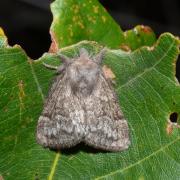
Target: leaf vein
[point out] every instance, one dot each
(54, 165)
(146, 69)
(140, 161)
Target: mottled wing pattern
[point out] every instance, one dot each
(82, 107)
(59, 125)
(96, 120)
(107, 128)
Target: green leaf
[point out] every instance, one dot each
(3, 39)
(148, 92)
(77, 20)
(139, 36)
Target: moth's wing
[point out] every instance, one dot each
(58, 127)
(107, 127)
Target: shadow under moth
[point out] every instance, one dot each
(82, 107)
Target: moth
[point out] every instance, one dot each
(82, 107)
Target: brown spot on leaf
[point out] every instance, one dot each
(103, 19)
(95, 9)
(30, 61)
(125, 47)
(91, 19)
(169, 128)
(76, 9)
(54, 46)
(1, 178)
(81, 25)
(146, 29)
(108, 72)
(21, 93)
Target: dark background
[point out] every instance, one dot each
(27, 22)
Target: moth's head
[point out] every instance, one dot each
(83, 72)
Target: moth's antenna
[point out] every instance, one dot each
(50, 66)
(99, 57)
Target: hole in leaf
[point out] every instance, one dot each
(173, 117)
